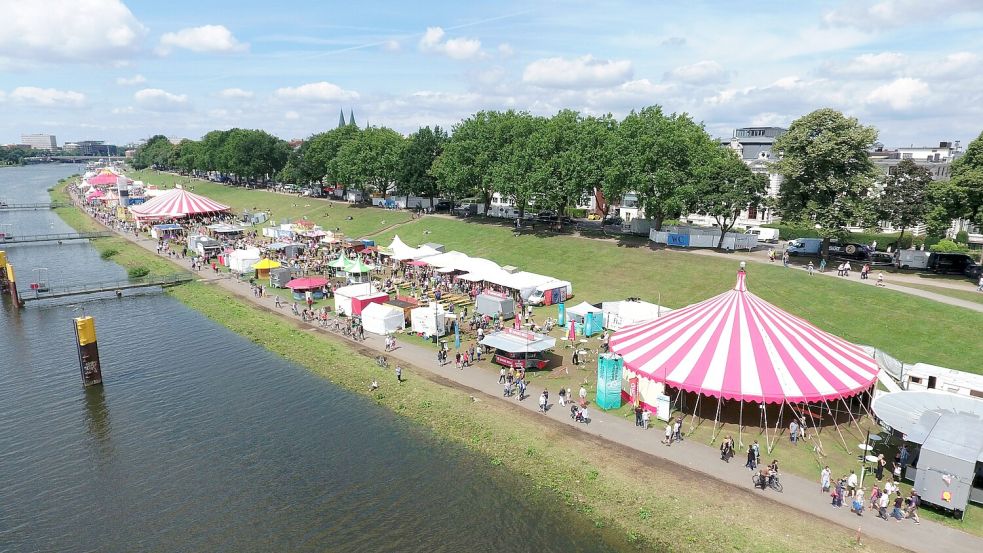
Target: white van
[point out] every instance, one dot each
(764, 234)
(563, 290)
(911, 259)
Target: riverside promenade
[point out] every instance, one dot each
(800, 494)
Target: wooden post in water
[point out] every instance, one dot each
(85, 341)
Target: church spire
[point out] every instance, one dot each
(341, 118)
(351, 118)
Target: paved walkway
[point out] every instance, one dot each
(799, 493)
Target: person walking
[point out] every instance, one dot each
(645, 419)
(542, 402)
(879, 468)
(851, 484)
(501, 375)
(771, 255)
(276, 302)
(668, 440)
(793, 432)
(898, 513)
(583, 396)
(980, 287)
(638, 414)
(822, 265)
(757, 452)
(677, 430)
(785, 259)
(752, 458)
(399, 373)
(858, 503)
(824, 479)
(882, 503)
(811, 268)
(563, 397)
(913, 503)
(880, 280)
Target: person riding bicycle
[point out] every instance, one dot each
(772, 471)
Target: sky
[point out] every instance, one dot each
(121, 71)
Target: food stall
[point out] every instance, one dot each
(519, 348)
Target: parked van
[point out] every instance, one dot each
(949, 263)
(911, 259)
(805, 246)
(556, 291)
(764, 234)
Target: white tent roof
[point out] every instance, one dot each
(582, 309)
(401, 251)
(380, 311)
(356, 290)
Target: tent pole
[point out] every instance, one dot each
(740, 424)
(695, 407)
(850, 412)
(764, 412)
(713, 435)
(777, 422)
(866, 408)
(836, 426)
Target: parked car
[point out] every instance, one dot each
(613, 220)
(466, 209)
(881, 259)
(973, 271)
(443, 205)
(945, 263)
(550, 217)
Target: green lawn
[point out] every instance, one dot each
(909, 328)
(328, 214)
(967, 295)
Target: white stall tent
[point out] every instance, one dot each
(619, 314)
(427, 320)
(382, 319)
(242, 261)
(579, 311)
(343, 296)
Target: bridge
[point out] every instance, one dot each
(4, 206)
(162, 281)
(63, 237)
(64, 159)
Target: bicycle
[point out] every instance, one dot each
(773, 483)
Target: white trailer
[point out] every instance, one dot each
(911, 259)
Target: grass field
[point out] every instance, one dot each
(689, 513)
(328, 214)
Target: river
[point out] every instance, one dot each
(200, 440)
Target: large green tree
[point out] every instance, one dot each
(422, 148)
(512, 164)
(370, 161)
(655, 156)
(253, 154)
(725, 186)
(904, 199)
(967, 183)
(155, 152)
(826, 174)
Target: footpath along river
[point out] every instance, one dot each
(201, 440)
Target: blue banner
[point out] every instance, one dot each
(457, 336)
(681, 240)
(561, 317)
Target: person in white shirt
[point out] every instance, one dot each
(851, 483)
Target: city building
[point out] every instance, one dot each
(93, 148)
(937, 159)
(40, 141)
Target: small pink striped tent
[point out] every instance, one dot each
(177, 203)
(736, 346)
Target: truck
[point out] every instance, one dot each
(805, 246)
(911, 259)
(556, 291)
(764, 234)
(958, 263)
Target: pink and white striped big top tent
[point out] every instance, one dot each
(740, 347)
(177, 203)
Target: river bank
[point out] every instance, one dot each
(656, 504)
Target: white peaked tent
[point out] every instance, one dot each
(619, 314)
(378, 318)
(427, 321)
(579, 311)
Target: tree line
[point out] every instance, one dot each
(668, 160)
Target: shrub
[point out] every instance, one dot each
(109, 253)
(962, 237)
(576, 213)
(138, 272)
(948, 246)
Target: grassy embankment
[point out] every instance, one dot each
(328, 214)
(966, 295)
(660, 507)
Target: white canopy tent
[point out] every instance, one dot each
(428, 320)
(618, 314)
(579, 311)
(379, 318)
(242, 261)
(343, 296)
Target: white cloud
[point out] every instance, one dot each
(900, 94)
(887, 14)
(218, 113)
(391, 45)
(871, 66)
(131, 81)
(126, 110)
(97, 31)
(455, 48)
(46, 97)
(207, 38)
(641, 92)
(320, 92)
(291, 115)
(699, 73)
(235, 94)
(155, 99)
(505, 50)
(958, 65)
(582, 72)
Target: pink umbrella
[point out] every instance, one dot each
(572, 335)
(306, 283)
